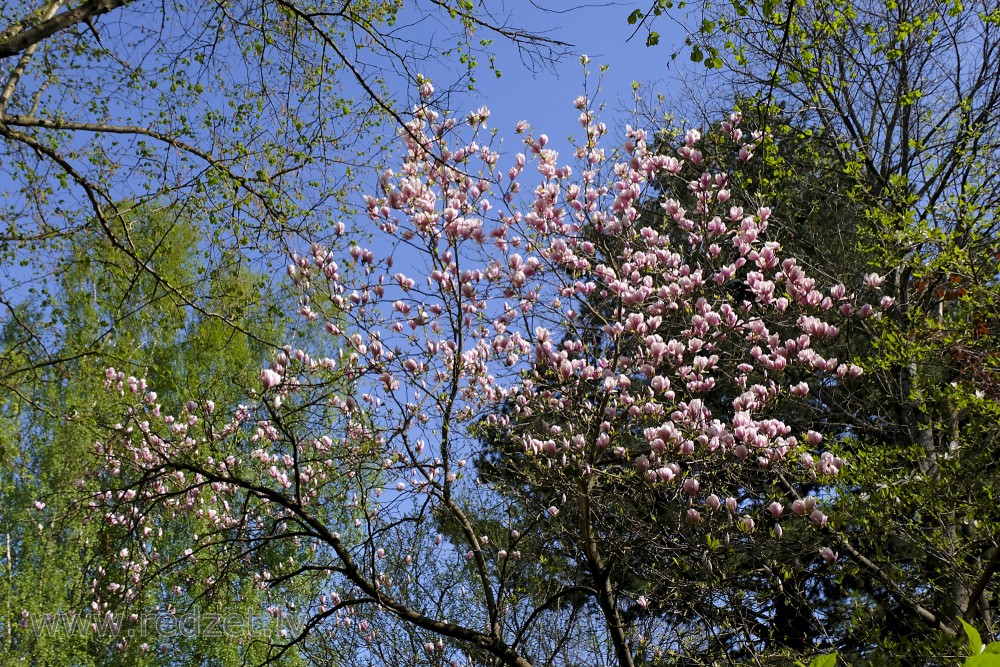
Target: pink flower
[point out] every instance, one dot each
(800, 389)
(269, 378)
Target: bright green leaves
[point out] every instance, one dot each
(709, 55)
(827, 660)
(108, 312)
(638, 18)
(990, 659)
(975, 642)
(980, 655)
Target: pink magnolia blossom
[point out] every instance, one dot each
(269, 379)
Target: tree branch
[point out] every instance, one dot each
(51, 25)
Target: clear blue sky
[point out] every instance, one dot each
(544, 97)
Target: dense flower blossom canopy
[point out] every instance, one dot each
(596, 333)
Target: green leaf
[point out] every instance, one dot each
(828, 660)
(696, 55)
(635, 17)
(975, 642)
(653, 39)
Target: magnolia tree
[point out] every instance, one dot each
(610, 356)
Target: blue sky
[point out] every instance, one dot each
(544, 97)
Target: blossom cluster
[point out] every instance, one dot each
(594, 323)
